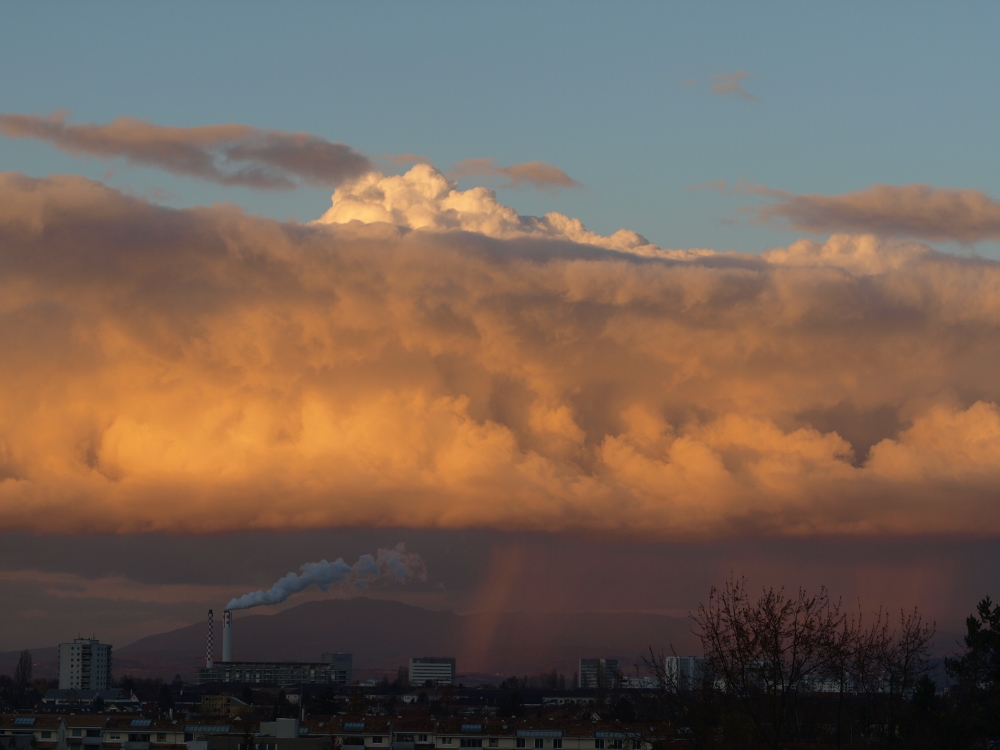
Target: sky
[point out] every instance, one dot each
(587, 305)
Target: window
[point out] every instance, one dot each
(77, 732)
(421, 738)
(520, 741)
(161, 736)
(354, 740)
(471, 742)
(93, 732)
(557, 743)
(599, 744)
(539, 742)
(116, 737)
(494, 742)
(614, 745)
(46, 735)
(376, 740)
(446, 740)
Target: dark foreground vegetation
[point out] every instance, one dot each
(799, 670)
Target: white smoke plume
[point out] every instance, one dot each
(389, 565)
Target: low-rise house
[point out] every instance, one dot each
(224, 705)
(40, 731)
(209, 728)
(83, 731)
(122, 733)
(380, 733)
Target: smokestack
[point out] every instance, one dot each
(227, 636)
(211, 628)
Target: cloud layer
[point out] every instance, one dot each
(428, 358)
(229, 154)
(537, 174)
(919, 211)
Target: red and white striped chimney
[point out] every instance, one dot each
(211, 628)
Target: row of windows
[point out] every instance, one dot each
(464, 741)
(521, 742)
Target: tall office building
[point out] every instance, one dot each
(439, 670)
(84, 664)
(595, 673)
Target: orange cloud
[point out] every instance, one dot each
(428, 358)
(229, 154)
(730, 84)
(919, 211)
(537, 174)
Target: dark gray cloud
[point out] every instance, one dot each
(537, 174)
(230, 154)
(919, 211)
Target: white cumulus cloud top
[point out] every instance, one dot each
(425, 199)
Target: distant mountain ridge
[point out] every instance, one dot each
(384, 634)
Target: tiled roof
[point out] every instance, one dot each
(38, 721)
(86, 720)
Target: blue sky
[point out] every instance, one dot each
(847, 95)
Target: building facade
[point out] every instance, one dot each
(438, 670)
(84, 664)
(685, 672)
(274, 673)
(342, 665)
(599, 673)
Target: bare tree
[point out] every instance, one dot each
(766, 654)
(249, 736)
(677, 698)
(840, 646)
(904, 661)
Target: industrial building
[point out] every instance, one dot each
(274, 673)
(84, 664)
(599, 673)
(334, 668)
(438, 670)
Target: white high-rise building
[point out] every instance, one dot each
(84, 664)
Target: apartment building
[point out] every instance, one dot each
(84, 664)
